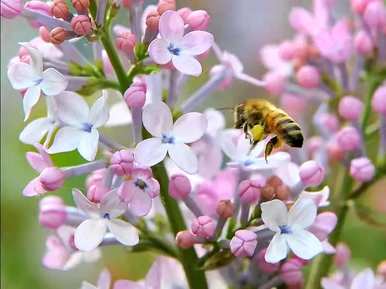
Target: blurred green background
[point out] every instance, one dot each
(240, 27)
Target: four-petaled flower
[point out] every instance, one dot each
(290, 228)
(90, 233)
(32, 79)
(169, 138)
(80, 124)
(178, 48)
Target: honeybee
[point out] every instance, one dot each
(258, 118)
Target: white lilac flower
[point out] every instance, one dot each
(102, 217)
(238, 149)
(32, 79)
(169, 138)
(178, 48)
(80, 130)
(290, 229)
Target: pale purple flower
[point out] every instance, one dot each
(238, 149)
(169, 138)
(102, 217)
(290, 229)
(80, 130)
(363, 280)
(60, 253)
(271, 59)
(34, 80)
(104, 281)
(178, 48)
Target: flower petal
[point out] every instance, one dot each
(36, 56)
(190, 127)
(138, 201)
(30, 98)
(72, 108)
(89, 234)
(124, 232)
(104, 280)
(228, 142)
(88, 144)
(126, 284)
(157, 118)
(158, 51)
(187, 64)
(22, 75)
(99, 112)
(327, 283)
(277, 249)
(150, 152)
(154, 275)
(66, 139)
(53, 82)
(274, 214)
(304, 244)
(112, 205)
(119, 115)
(197, 42)
(302, 214)
(33, 188)
(84, 204)
(35, 130)
(184, 157)
(364, 279)
(86, 285)
(171, 26)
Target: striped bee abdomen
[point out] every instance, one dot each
(289, 131)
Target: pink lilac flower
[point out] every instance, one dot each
(32, 78)
(168, 138)
(80, 130)
(102, 217)
(364, 279)
(243, 243)
(178, 48)
(62, 255)
(290, 229)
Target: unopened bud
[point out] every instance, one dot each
(165, 5)
(363, 43)
(52, 178)
(350, 108)
(81, 6)
(198, 20)
(342, 255)
(122, 162)
(60, 10)
(225, 209)
(362, 169)
(308, 76)
(179, 187)
(264, 265)
(291, 272)
(44, 34)
(81, 25)
(311, 173)
(125, 42)
(274, 83)
(348, 139)
(185, 239)
(184, 13)
(58, 35)
(243, 243)
(52, 212)
(203, 226)
(378, 102)
(249, 190)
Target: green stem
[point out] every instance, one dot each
(321, 265)
(188, 257)
(372, 86)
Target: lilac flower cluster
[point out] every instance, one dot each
(234, 218)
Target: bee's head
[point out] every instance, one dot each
(239, 118)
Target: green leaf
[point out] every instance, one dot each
(151, 69)
(94, 85)
(140, 51)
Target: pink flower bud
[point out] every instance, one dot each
(308, 76)
(342, 255)
(293, 104)
(10, 8)
(378, 103)
(39, 7)
(330, 121)
(287, 50)
(264, 265)
(44, 34)
(52, 178)
(58, 35)
(52, 212)
(179, 187)
(81, 6)
(60, 10)
(184, 13)
(348, 139)
(291, 272)
(225, 209)
(135, 95)
(165, 5)
(250, 190)
(350, 108)
(323, 225)
(185, 239)
(314, 144)
(363, 43)
(362, 169)
(81, 25)
(122, 162)
(243, 243)
(204, 227)
(311, 173)
(381, 270)
(274, 83)
(335, 152)
(125, 42)
(152, 21)
(198, 20)
(359, 6)
(375, 15)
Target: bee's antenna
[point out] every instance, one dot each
(224, 108)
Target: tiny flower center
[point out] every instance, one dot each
(87, 127)
(285, 229)
(37, 82)
(140, 184)
(174, 50)
(248, 162)
(106, 216)
(167, 139)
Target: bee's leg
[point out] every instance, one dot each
(269, 147)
